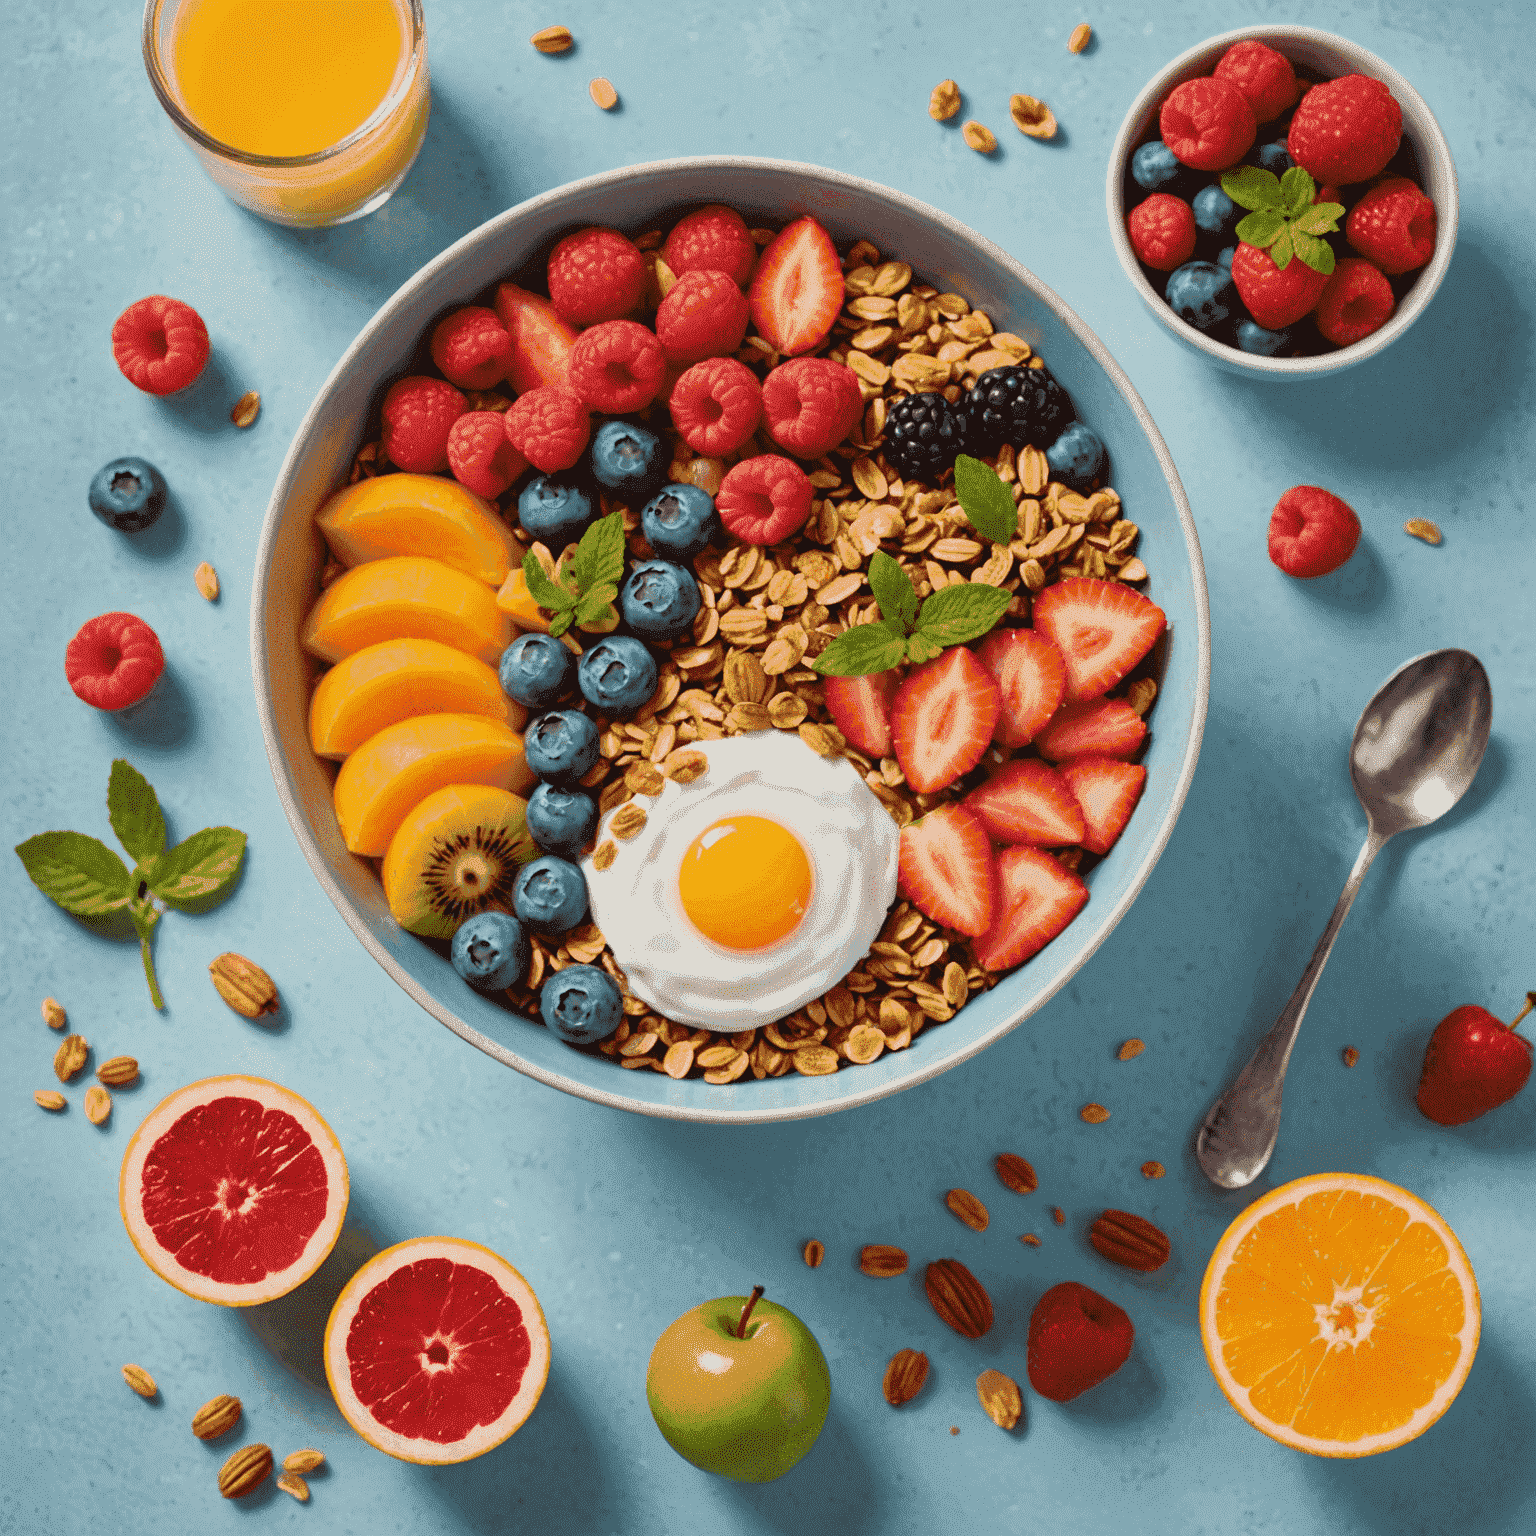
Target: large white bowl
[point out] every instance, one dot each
(946, 254)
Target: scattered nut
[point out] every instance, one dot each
(627, 822)
(904, 1376)
(1351, 1055)
(70, 1056)
(958, 1297)
(963, 1204)
(49, 1099)
(98, 1104)
(1140, 694)
(1000, 1397)
(814, 1252)
(606, 853)
(1152, 1169)
(246, 409)
(1082, 35)
(303, 1461)
(944, 102)
(119, 1072)
(882, 1260)
(1030, 1239)
(1130, 1050)
(954, 1429)
(216, 1417)
(1130, 1240)
(1093, 1114)
(1058, 1215)
(1031, 116)
(53, 1013)
(552, 39)
(243, 985)
(291, 1482)
(207, 580)
(140, 1380)
(245, 1471)
(1422, 528)
(979, 137)
(1017, 1174)
(603, 94)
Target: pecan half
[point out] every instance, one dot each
(904, 1376)
(1130, 1240)
(1017, 1174)
(243, 985)
(963, 1204)
(216, 1417)
(1000, 1396)
(958, 1297)
(882, 1260)
(245, 1471)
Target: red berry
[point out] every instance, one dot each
(716, 405)
(617, 366)
(764, 500)
(1101, 628)
(1032, 675)
(942, 719)
(160, 344)
(1095, 728)
(1312, 532)
(1346, 129)
(945, 868)
(1356, 300)
(713, 239)
(1037, 898)
(1276, 297)
(798, 290)
(861, 709)
(541, 340)
(419, 412)
(1262, 75)
(1027, 801)
(1077, 1339)
(811, 404)
(1393, 225)
(471, 347)
(1108, 791)
(1162, 231)
(481, 455)
(703, 315)
(1473, 1063)
(549, 426)
(595, 274)
(113, 661)
(1207, 123)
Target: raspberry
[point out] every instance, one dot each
(481, 455)
(1275, 298)
(1346, 129)
(1393, 225)
(1262, 75)
(113, 661)
(418, 415)
(549, 427)
(617, 366)
(714, 239)
(1312, 532)
(1162, 231)
(716, 405)
(471, 347)
(764, 500)
(160, 344)
(811, 405)
(1207, 123)
(703, 315)
(1356, 300)
(595, 274)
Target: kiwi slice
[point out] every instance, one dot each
(456, 854)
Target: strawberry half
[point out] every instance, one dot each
(861, 709)
(1027, 802)
(1107, 791)
(541, 340)
(946, 870)
(1037, 899)
(1095, 728)
(1032, 676)
(797, 290)
(942, 719)
(1101, 628)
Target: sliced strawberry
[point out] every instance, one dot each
(1033, 677)
(797, 290)
(1027, 802)
(541, 340)
(1094, 728)
(1107, 791)
(946, 870)
(942, 719)
(1037, 899)
(861, 709)
(1101, 628)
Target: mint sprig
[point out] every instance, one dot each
(85, 877)
(590, 581)
(1284, 221)
(906, 631)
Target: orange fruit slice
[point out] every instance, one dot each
(1340, 1315)
(436, 1350)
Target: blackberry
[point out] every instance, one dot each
(1015, 405)
(923, 433)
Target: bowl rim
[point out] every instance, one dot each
(287, 789)
(1437, 151)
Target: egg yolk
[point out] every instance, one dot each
(745, 882)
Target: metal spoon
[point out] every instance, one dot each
(1415, 753)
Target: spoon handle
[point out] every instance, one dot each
(1239, 1134)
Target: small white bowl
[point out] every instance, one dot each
(1321, 53)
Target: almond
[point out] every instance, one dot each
(216, 1417)
(206, 580)
(245, 1471)
(603, 94)
(1016, 1174)
(118, 1072)
(1131, 1049)
(1130, 1240)
(958, 1297)
(904, 1376)
(98, 1104)
(140, 1380)
(292, 1483)
(243, 985)
(1082, 35)
(882, 1260)
(303, 1461)
(246, 409)
(968, 1208)
(1000, 1397)
(50, 1099)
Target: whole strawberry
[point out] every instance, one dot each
(1346, 129)
(1473, 1064)
(1276, 297)
(1077, 1339)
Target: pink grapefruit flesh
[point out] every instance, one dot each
(234, 1190)
(436, 1350)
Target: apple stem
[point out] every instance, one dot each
(746, 1311)
(1530, 1003)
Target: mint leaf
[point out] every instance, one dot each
(594, 603)
(599, 557)
(135, 812)
(985, 499)
(1297, 189)
(199, 869)
(80, 873)
(1283, 248)
(1320, 219)
(1317, 254)
(862, 650)
(1261, 229)
(960, 613)
(1251, 187)
(893, 590)
(546, 593)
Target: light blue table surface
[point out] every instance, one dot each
(622, 1222)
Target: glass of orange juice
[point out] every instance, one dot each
(307, 112)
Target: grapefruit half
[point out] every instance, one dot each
(436, 1350)
(234, 1190)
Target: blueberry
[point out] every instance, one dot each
(536, 669)
(659, 600)
(1155, 167)
(617, 675)
(1077, 456)
(1252, 337)
(561, 820)
(554, 511)
(561, 746)
(1201, 293)
(1274, 158)
(581, 1004)
(680, 522)
(128, 494)
(1215, 212)
(628, 459)
(550, 894)
(1225, 258)
(490, 951)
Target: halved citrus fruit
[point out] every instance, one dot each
(436, 1350)
(1340, 1315)
(234, 1190)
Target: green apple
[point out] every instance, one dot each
(746, 1403)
